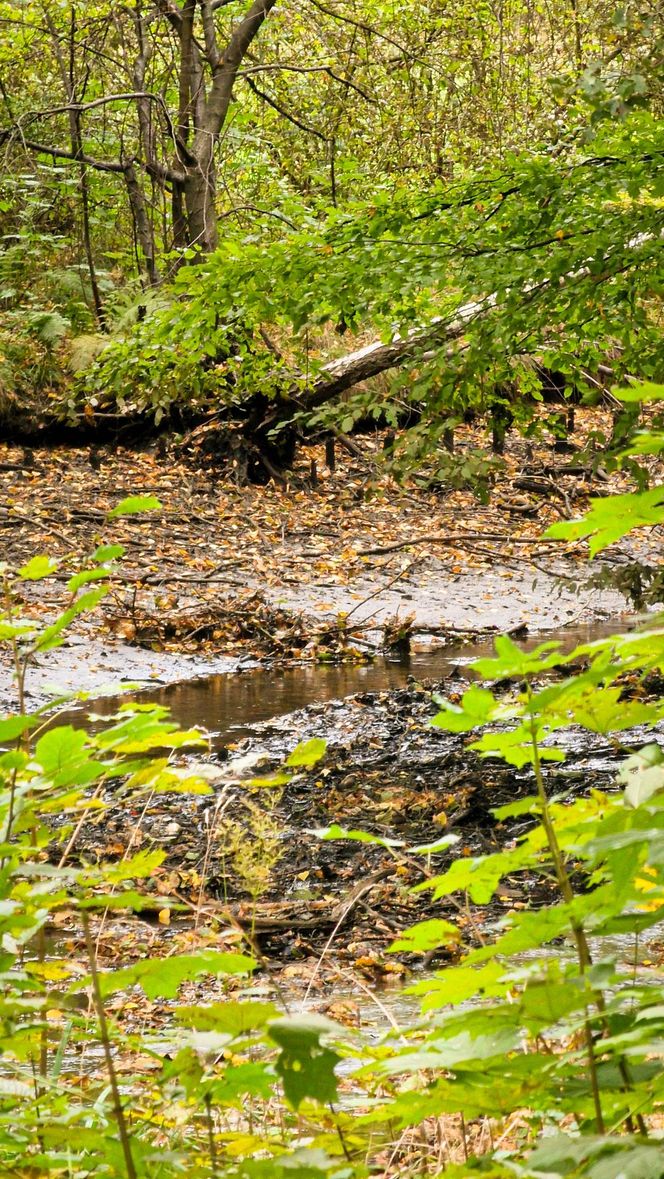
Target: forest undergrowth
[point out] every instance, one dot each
(374, 292)
(525, 1061)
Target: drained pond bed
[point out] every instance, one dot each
(248, 861)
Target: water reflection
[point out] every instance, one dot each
(229, 706)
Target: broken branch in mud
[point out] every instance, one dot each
(320, 913)
(457, 538)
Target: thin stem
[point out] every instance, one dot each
(581, 941)
(567, 893)
(118, 1111)
(43, 1034)
(20, 662)
(210, 1129)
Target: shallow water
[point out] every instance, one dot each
(230, 706)
(255, 702)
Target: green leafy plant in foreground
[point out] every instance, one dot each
(540, 1031)
(54, 1120)
(574, 1037)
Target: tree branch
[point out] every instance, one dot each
(339, 375)
(454, 539)
(281, 111)
(224, 76)
(295, 69)
(209, 33)
(125, 96)
(61, 153)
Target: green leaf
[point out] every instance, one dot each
(642, 774)
(108, 552)
(513, 663)
(644, 442)
(438, 845)
(37, 568)
(13, 631)
(461, 1049)
(127, 898)
(457, 984)
(135, 504)
(477, 705)
(305, 1066)
(63, 758)
(611, 518)
(85, 577)
(426, 936)
(515, 746)
(12, 727)
(603, 710)
(51, 636)
(231, 1018)
(512, 810)
(137, 867)
(597, 1158)
(141, 728)
(639, 391)
(545, 1001)
(255, 1078)
(162, 977)
(481, 875)
(307, 753)
(334, 831)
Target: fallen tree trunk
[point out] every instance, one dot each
(337, 376)
(264, 426)
(342, 374)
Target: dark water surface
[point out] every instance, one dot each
(231, 705)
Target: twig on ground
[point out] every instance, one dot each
(456, 538)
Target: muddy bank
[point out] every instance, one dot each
(476, 600)
(439, 611)
(352, 543)
(97, 666)
(247, 858)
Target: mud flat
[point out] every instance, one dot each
(443, 608)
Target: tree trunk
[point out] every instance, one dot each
(76, 139)
(142, 224)
(210, 115)
(200, 191)
(339, 375)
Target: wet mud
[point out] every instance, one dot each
(249, 858)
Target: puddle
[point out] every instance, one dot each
(230, 706)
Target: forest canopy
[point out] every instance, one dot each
(228, 203)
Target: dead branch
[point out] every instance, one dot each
(456, 538)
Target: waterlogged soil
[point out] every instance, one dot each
(248, 862)
(329, 567)
(272, 615)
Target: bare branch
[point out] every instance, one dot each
(138, 96)
(282, 111)
(360, 24)
(60, 153)
(278, 67)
